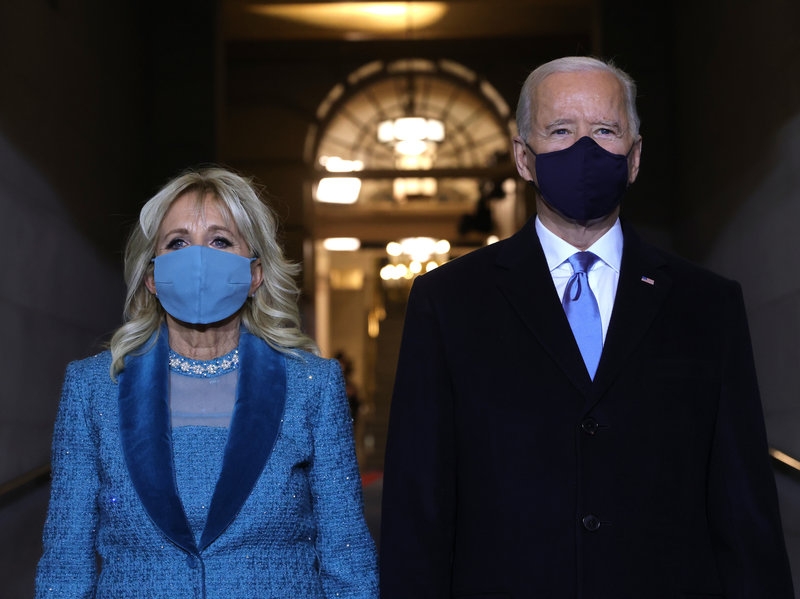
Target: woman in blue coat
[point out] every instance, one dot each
(208, 453)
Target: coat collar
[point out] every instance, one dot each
(147, 441)
(644, 284)
(524, 278)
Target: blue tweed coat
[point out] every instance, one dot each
(272, 507)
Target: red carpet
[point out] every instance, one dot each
(367, 478)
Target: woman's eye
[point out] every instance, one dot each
(221, 243)
(176, 244)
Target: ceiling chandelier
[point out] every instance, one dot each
(414, 139)
(412, 256)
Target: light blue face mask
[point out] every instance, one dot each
(201, 285)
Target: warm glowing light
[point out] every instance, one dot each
(386, 131)
(394, 249)
(374, 323)
(785, 458)
(442, 247)
(411, 147)
(414, 140)
(409, 186)
(367, 17)
(412, 256)
(386, 9)
(335, 164)
(341, 244)
(419, 248)
(338, 190)
(411, 128)
(422, 162)
(387, 272)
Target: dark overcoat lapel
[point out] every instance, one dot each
(147, 441)
(643, 286)
(524, 279)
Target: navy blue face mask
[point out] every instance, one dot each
(201, 285)
(584, 181)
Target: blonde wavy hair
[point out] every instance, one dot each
(272, 313)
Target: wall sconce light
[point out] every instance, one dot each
(339, 190)
(341, 244)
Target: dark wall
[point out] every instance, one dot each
(722, 171)
(101, 102)
(639, 38)
(181, 83)
(739, 87)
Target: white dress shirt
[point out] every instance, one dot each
(603, 275)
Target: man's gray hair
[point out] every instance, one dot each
(573, 64)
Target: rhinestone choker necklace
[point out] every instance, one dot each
(204, 368)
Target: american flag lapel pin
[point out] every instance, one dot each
(648, 280)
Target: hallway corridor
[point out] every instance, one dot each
(103, 102)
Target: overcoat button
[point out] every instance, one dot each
(589, 426)
(192, 562)
(591, 522)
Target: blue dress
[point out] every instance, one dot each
(279, 516)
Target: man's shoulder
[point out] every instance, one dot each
(691, 270)
(469, 268)
(679, 268)
(506, 252)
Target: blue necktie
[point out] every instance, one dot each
(582, 312)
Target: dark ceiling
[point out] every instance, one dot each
(455, 19)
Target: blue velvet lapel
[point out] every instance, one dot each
(145, 431)
(260, 400)
(147, 440)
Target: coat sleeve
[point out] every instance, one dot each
(346, 551)
(67, 566)
(418, 513)
(743, 508)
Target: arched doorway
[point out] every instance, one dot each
(406, 150)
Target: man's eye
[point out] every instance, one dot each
(560, 131)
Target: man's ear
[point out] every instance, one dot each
(524, 159)
(634, 159)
